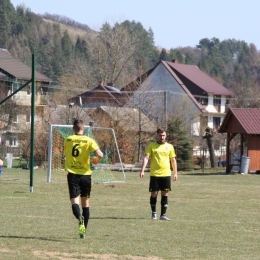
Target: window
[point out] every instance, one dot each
(28, 89)
(216, 122)
(217, 100)
(13, 141)
(204, 101)
(15, 118)
(13, 87)
(28, 118)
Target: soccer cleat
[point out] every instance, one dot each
(163, 217)
(154, 215)
(82, 229)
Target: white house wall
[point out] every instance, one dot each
(223, 105)
(210, 108)
(159, 84)
(212, 112)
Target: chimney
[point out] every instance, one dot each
(175, 61)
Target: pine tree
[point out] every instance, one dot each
(163, 55)
(81, 48)
(66, 45)
(7, 19)
(190, 59)
(177, 136)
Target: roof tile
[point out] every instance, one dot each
(201, 79)
(18, 69)
(249, 118)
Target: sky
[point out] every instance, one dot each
(175, 23)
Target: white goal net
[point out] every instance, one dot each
(109, 168)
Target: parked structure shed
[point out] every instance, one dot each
(246, 123)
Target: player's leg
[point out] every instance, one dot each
(85, 210)
(74, 191)
(153, 188)
(165, 186)
(76, 213)
(75, 207)
(85, 195)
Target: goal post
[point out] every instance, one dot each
(110, 167)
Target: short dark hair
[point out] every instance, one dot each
(78, 125)
(160, 130)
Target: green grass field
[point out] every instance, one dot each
(213, 216)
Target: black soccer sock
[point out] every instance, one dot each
(76, 210)
(85, 214)
(164, 205)
(153, 203)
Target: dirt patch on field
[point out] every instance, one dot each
(5, 250)
(76, 256)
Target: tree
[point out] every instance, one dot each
(7, 19)
(57, 61)
(66, 45)
(246, 95)
(209, 137)
(81, 49)
(141, 97)
(44, 59)
(190, 59)
(213, 63)
(177, 136)
(146, 54)
(163, 54)
(112, 53)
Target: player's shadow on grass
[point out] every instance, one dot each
(208, 173)
(39, 238)
(112, 218)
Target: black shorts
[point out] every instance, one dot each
(79, 185)
(160, 183)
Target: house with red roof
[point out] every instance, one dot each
(171, 88)
(101, 95)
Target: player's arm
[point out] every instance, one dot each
(96, 159)
(174, 167)
(99, 153)
(145, 162)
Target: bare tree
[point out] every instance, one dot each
(246, 95)
(112, 53)
(183, 107)
(148, 103)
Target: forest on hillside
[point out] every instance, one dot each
(71, 53)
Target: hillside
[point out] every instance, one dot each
(74, 32)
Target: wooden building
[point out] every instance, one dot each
(246, 123)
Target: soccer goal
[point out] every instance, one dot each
(110, 167)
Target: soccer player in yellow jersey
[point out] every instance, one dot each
(77, 150)
(161, 155)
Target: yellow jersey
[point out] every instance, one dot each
(160, 155)
(77, 150)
